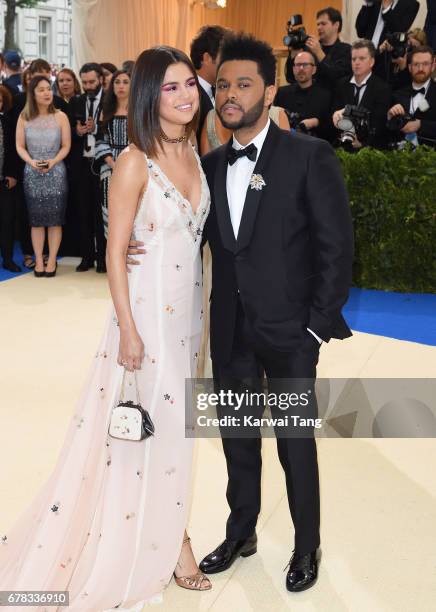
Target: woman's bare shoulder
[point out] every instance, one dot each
(132, 165)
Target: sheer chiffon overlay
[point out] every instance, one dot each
(108, 524)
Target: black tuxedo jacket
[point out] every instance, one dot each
(376, 98)
(11, 164)
(205, 106)
(427, 118)
(77, 111)
(291, 263)
(398, 19)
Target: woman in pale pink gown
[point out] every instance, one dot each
(109, 525)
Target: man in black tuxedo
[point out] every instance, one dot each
(280, 234)
(305, 99)
(333, 55)
(418, 100)
(204, 52)
(84, 113)
(377, 18)
(365, 90)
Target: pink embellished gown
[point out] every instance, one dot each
(108, 524)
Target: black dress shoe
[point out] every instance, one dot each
(11, 266)
(101, 266)
(84, 265)
(303, 572)
(226, 553)
(53, 273)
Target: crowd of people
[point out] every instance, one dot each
(377, 91)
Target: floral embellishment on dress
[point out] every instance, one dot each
(168, 398)
(201, 314)
(170, 471)
(139, 474)
(167, 194)
(182, 342)
(178, 267)
(130, 515)
(195, 355)
(197, 283)
(257, 182)
(4, 539)
(108, 462)
(150, 227)
(179, 505)
(68, 561)
(169, 309)
(79, 424)
(55, 508)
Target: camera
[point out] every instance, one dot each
(399, 44)
(296, 37)
(353, 124)
(296, 122)
(395, 124)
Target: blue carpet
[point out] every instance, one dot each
(404, 316)
(18, 258)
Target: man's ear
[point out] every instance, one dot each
(270, 94)
(207, 59)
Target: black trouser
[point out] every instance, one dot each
(297, 455)
(23, 219)
(87, 198)
(7, 222)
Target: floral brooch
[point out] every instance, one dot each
(257, 182)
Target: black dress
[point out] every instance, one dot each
(111, 140)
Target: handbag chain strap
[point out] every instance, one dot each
(136, 385)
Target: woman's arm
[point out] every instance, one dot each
(21, 145)
(283, 120)
(65, 140)
(128, 182)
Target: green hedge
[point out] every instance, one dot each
(393, 203)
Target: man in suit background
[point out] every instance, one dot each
(84, 114)
(418, 100)
(280, 234)
(365, 90)
(305, 98)
(204, 52)
(377, 18)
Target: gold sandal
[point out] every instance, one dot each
(196, 582)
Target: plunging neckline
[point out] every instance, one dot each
(179, 194)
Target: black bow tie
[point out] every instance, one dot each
(415, 92)
(234, 154)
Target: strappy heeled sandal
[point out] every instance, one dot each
(195, 582)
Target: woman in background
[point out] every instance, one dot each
(67, 84)
(112, 135)
(108, 71)
(43, 141)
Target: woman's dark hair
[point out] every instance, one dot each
(246, 47)
(39, 65)
(110, 103)
(31, 111)
(26, 77)
(333, 14)
(208, 40)
(109, 67)
(144, 128)
(6, 97)
(77, 88)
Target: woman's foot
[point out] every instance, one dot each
(50, 267)
(28, 261)
(187, 574)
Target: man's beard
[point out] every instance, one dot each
(248, 119)
(421, 77)
(92, 93)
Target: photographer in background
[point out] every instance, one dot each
(398, 75)
(333, 55)
(307, 104)
(414, 111)
(367, 91)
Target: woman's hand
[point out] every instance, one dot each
(51, 163)
(34, 164)
(131, 351)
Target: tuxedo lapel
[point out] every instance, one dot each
(221, 202)
(253, 197)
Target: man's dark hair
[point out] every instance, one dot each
(39, 65)
(421, 49)
(333, 14)
(109, 67)
(364, 44)
(90, 67)
(144, 129)
(208, 40)
(246, 47)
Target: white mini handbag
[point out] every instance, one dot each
(130, 421)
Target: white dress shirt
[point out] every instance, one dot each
(381, 23)
(362, 85)
(207, 88)
(415, 101)
(238, 180)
